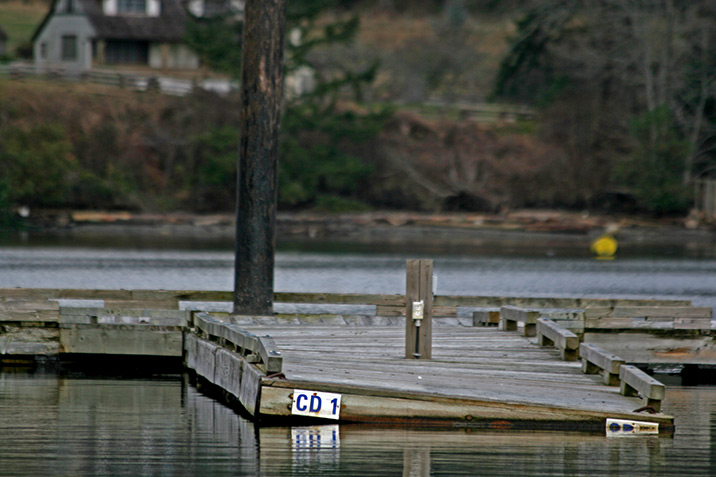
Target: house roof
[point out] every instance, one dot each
(170, 25)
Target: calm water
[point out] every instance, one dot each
(52, 425)
(78, 426)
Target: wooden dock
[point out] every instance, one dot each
(353, 352)
(477, 377)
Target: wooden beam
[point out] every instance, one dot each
(486, 317)
(597, 360)
(635, 382)
(263, 348)
(419, 294)
(648, 317)
(550, 333)
(511, 315)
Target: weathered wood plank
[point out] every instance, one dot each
(228, 371)
(142, 304)
(419, 289)
(190, 350)
(250, 391)
(511, 315)
(247, 343)
(205, 359)
(340, 299)
(597, 360)
(486, 317)
(549, 302)
(645, 347)
(550, 333)
(366, 404)
(665, 317)
(28, 310)
(121, 340)
(139, 317)
(270, 355)
(509, 368)
(636, 382)
(10, 348)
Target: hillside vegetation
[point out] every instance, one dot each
(625, 102)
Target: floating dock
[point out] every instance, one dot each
(477, 378)
(347, 358)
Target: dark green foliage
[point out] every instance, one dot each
(319, 139)
(527, 73)
(316, 158)
(644, 63)
(215, 174)
(217, 41)
(37, 165)
(7, 217)
(655, 169)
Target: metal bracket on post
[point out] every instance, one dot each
(419, 309)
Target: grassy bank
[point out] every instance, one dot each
(19, 19)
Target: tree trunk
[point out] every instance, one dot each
(261, 88)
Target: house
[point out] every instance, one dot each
(82, 34)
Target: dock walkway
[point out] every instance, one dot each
(473, 372)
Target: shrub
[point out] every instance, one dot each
(37, 164)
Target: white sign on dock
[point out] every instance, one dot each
(316, 404)
(620, 427)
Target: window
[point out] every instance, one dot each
(132, 6)
(43, 50)
(70, 6)
(127, 52)
(69, 48)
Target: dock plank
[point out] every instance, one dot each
(469, 363)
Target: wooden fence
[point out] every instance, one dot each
(130, 81)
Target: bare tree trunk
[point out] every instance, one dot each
(261, 88)
(705, 82)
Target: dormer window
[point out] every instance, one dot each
(132, 6)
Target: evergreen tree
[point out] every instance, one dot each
(322, 138)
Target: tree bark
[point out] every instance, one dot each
(261, 90)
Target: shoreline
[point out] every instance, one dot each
(391, 229)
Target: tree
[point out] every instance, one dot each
(631, 58)
(320, 134)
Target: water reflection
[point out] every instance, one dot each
(67, 426)
(56, 425)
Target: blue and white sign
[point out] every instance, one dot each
(316, 404)
(620, 427)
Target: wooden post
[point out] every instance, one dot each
(419, 287)
(261, 88)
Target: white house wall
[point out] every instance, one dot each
(109, 7)
(154, 7)
(58, 26)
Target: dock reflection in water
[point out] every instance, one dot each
(54, 425)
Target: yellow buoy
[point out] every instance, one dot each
(604, 247)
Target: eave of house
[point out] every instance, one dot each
(169, 26)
